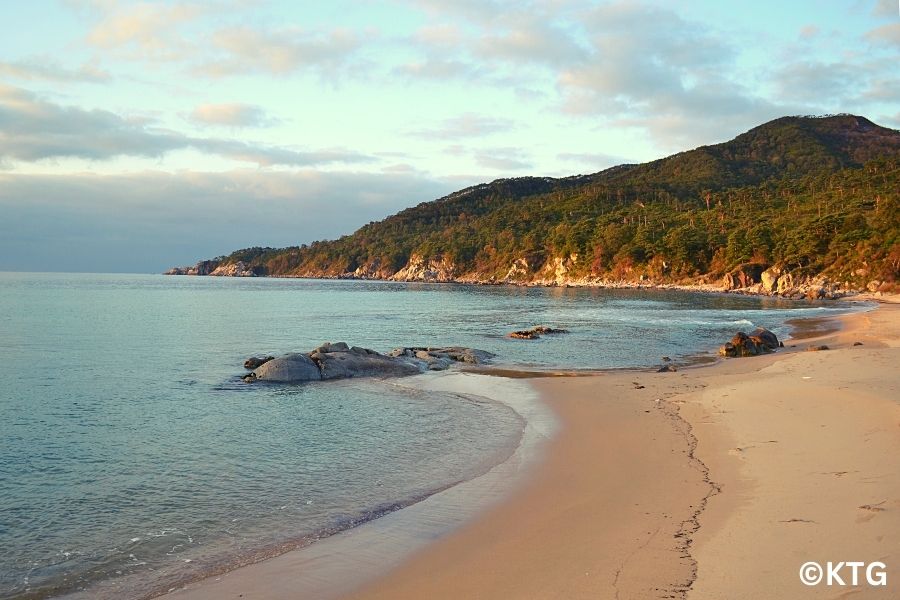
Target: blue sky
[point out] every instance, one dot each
(139, 135)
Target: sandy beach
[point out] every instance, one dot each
(710, 482)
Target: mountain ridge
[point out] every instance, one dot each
(814, 198)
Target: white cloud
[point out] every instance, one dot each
(144, 30)
(231, 115)
(243, 50)
(467, 125)
(48, 69)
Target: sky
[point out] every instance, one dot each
(135, 136)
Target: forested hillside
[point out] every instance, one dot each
(804, 197)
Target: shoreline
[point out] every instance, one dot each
(401, 579)
(334, 566)
(755, 290)
(473, 563)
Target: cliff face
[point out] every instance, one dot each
(785, 204)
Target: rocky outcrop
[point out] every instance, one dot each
(436, 269)
(340, 361)
(204, 267)
(237, 269)
(743, 276)
(534, 333)
(437, 359)
(760, 341)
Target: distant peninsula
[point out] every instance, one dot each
(798, 206)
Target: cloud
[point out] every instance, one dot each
(653, 70)
(886, 8)
(47, 69)
(808, 32)
(819, 83)
(467, 125)
(886, 34)
(32, 129)
(149, 221)
(503, 159)
(531, 40)
(240, 50)
(145, 30)
(231, 115)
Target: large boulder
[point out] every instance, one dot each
(760, 341)
(288, 368)
(765, 338)
(342, 365)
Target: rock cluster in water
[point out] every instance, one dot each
(534, 333)
(341, 361)
(760, 341)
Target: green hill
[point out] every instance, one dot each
(812, 197)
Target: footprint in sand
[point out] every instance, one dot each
(872, 509)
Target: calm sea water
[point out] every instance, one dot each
(130, 450)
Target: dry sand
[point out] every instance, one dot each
(800, 459)
(707, 483)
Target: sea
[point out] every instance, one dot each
(132, 452)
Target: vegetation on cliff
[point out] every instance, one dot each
(811, 196)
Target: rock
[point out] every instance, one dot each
(786, 284)
(329, 347)
(817, 348)
(419, 268)
(857, 343)
(815, 293)
(759, 342)
(345, 364)
(743, 276)
(769, 278)
(666, 359)
(535, 332)
(254, 361)
(765, 337)
(288, 368)
(542, 329)
(236, 269)
(667, 369)
(339, 361)
(873, 285)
